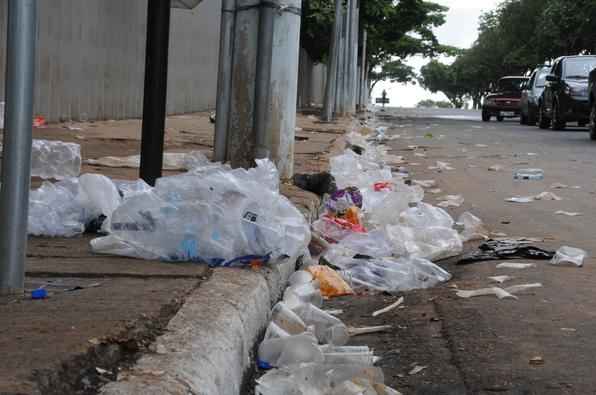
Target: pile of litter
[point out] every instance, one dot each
(381, 235)
(305, 346)
(211, 214)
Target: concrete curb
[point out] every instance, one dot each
(207, 347)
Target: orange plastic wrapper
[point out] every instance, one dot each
(332, 284)
(353, 216)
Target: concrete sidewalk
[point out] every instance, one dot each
(153, 327)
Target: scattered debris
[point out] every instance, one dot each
(330, 282)
(515, 265)
(425, 183)
(451, 201)
(388, 308)
(496, 291)
(537, 361)
(473, 227)
(496, 168)
(547, 196)
(528, 174)
(505, 249)
(102, 371)
(569, 329)
(417, 369)
(441, 166)
(368, 329)
(569, 255)
(500, 279)
(318, 183)
(568, 213)
(171, 161)
(481, 146)
(520, 199)
(39, 293)
(435, 191)
(334, 311)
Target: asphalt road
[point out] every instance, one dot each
(543, 343)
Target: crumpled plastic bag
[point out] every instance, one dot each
(331, 283)
(569, 255)
(213, 214)
(335, 229)
(473, 227)
(426, 215)
(387, 274)
(54, 159)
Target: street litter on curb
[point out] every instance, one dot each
(500, 279)
(171, 161)
(515, 265)
(496, 168)
(388, 308)
(528, 174)
(505, 249)
(450, 201)
(417, 369)
(568, 213)
(569, 255)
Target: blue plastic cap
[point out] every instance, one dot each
(39, 293)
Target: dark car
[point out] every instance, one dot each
(503, 101)
(565, 97)
(592, 100)
(531, 92)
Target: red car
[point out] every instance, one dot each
(504, 100)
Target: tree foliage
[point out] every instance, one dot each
(519, 35)
(395, 29)
(439, 77)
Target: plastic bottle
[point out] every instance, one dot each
(328, 329)
(287, 320)
(529, 174)
(289, 350)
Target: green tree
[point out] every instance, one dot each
(439, 77)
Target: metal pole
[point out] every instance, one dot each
(156, 87)
(354, 35)
(263, 134)
(241, 133)
(349, 54)
(362, 99)
(16, 157)
(224, 79)
(330, 87)
(283, 85)
(341, 67)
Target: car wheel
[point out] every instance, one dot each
(531, 118)
(557, 123)
(543, 121)
(500, 118)
(485, 116)
(593, 122)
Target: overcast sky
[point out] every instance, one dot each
(461, 29)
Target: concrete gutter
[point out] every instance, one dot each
(208, 346)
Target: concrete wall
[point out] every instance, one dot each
(91, 58)
(312, 78)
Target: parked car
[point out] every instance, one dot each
(592, 101)
(503, 101)
(531, 92)
(565, 97)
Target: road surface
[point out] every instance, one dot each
(545, 342)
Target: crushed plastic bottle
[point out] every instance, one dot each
(528, 174)
(55, 159)
(284, 351)
(328, 329)
(569, 255)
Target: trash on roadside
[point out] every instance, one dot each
(451, 201)
(505, 249)
(558, 185)
(473, 227)
(435, 191)
(515, 289)
(496, 291)
(496, 168)
(500, 279)
(417, 369)
(515, 265)
(344, 199)
(331, 283)
(537, 361)
(318, 183)
(387, 309)
(520, 199)
(569, 255)
(54, 159)
(425, 183)
(171, 161)
(365, 330)
(212, 214)
(39, 293)
(528, 174)
(441, 166)
(39, 121)
(547, 196)
(568, 213)
(481, 146)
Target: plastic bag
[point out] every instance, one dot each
(389, 274)
(570, 255)
(55, 159)
(340, 201)
(473, 227)
(97, 196)
(284, 351)
(212, 214)
(334, 229)
(426, 215)
(331, 283)
(373, 243)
